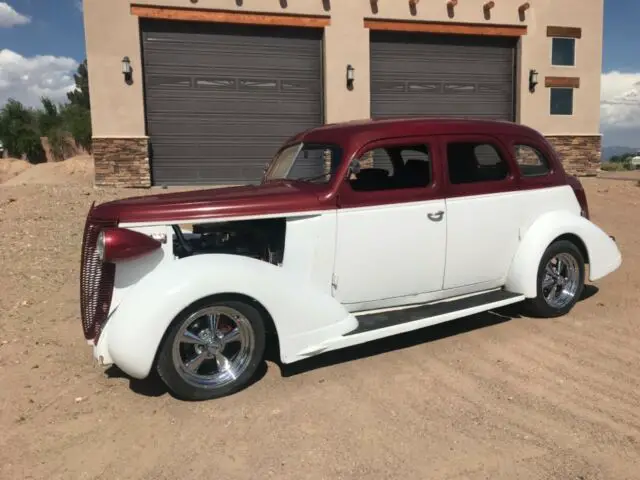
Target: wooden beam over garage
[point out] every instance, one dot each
(220, 16)
(446, 27)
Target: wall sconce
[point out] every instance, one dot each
(524, 7)
(350, 77)
(127, 70)
(413, 3)
(533, 80)
(488, 6)
(452, 3)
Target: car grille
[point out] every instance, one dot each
(96, 280)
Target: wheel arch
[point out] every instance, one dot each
(598, 249)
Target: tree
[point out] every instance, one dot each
(19, 131)
(77, 114)
(80, 95)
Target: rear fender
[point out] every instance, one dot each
(603, 253)
(303, 315)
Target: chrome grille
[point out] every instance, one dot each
(96, 280)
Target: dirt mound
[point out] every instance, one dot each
(74, 170)
(11, 167)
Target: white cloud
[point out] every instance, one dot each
(620, 100)
(10, 18)
(28, 79)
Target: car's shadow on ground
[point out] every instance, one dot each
(153, 386)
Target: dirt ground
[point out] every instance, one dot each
(492, 396)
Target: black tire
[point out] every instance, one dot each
(182, 382)
(539, 306)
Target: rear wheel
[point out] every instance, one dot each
(212, 349)
(560, 280)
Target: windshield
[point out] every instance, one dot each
(305, 162)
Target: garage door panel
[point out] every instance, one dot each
(441, 75)
(195, 129)
(277, 109)
(221, 99)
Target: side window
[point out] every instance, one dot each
(563, 52)
(393, 168)
(530, 161)
(470, 162)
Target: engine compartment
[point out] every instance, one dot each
(261, 239)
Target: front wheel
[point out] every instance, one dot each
(212, 349)
(560, 280)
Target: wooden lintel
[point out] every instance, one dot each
(562, 82)
(220, 16)
(446, 27)
(568, 32)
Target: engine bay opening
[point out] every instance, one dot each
(261, 239)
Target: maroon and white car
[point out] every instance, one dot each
(357, 231)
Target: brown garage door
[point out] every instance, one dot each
(221, 98)
(416, 74)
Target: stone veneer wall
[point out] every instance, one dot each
(121, 162)
(580, 155)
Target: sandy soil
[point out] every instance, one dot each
(491, 396)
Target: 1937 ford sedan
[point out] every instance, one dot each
(357, 231)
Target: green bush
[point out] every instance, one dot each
(21, 128)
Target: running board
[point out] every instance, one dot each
(372, 326)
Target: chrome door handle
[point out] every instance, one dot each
(436, 217)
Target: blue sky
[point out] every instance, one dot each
(41, 42)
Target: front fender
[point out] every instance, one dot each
(604, 255)
(302, 314)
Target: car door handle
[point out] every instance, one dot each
(436, 217)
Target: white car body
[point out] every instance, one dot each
(342, 265)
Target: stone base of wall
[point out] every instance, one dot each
(121, 162)
(580, 155)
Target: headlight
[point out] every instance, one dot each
(100, 246)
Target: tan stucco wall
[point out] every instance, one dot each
(118, 110)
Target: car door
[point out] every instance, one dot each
(482, 209)
(391, 224)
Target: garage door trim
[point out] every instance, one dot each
(446, 27)
(226, 16)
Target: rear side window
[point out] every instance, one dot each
(471, 162)
(531, 162)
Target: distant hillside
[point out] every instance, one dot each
(608, 152)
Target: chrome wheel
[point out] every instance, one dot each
(561, 280)
(213, 347)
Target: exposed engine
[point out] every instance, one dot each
(261, 239)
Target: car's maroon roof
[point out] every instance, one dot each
(367, 130)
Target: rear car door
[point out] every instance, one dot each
(391, 224)
(482, 210)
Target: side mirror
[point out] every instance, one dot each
(354, 166)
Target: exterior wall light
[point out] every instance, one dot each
(533, 80)
(350, 77)
(489, 5)
(452, 3)
(127, 70)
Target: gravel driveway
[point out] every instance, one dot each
(491, 396)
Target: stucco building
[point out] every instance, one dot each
(215, 85)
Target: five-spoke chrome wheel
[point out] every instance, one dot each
(214, 346)
(561, 280)
(212, 349)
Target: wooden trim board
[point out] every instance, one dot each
(220, 16)
(445, 27)
(562, 82)
(566, 32)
